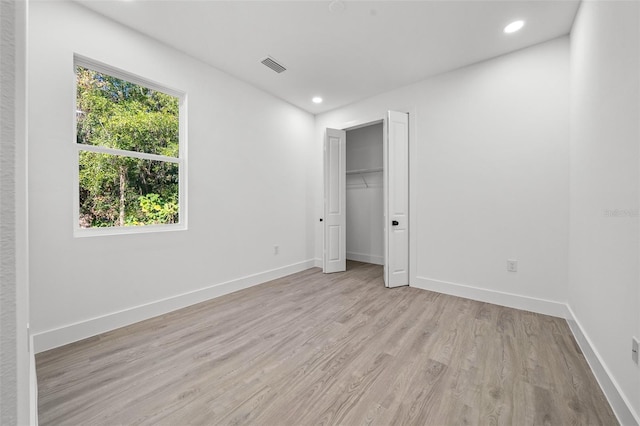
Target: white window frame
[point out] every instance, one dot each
(181, 160)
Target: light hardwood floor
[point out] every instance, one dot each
(326, 349)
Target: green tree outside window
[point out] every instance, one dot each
(116, 187)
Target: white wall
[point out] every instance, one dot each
(605, 104)
(490, 182)
(364, 198)
(489, 176)
(247, 165)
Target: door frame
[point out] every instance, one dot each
(364, 120)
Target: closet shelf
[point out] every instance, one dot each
(360, 171)
(365, 175)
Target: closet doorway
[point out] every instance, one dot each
(358, 175)
(364, 194)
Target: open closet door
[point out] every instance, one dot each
(396, 192)
(335, 188)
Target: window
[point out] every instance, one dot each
(130, 153)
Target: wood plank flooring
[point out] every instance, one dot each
(326, 349)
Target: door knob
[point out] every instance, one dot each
(395, 223)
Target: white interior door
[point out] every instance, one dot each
(335, 188)
(396, 191)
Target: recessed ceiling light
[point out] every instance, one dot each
(317, 100)
(513, 27)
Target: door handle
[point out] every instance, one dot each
(395, 223)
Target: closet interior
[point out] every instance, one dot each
(364, 196)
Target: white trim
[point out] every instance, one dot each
(33, 385)
(14, 285)
(60, 336)
(27, 379)
(367, 258)
(413, 193)
(361, 125)
(184, 163)
(526, 303)
(104, 68)
(385, 199)
(124, 230)
(619, 402)
(181, 160)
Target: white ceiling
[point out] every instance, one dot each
(367, 48)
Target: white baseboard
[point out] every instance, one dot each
(67, 334)
(33, 385)
(619, 402)
(367, 258)
(532, 304)
(54, 338)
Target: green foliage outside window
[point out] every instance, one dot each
(120, 190)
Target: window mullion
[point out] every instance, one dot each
(124, 153)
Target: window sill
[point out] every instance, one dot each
(127, 230)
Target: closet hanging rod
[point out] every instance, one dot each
(359, 171)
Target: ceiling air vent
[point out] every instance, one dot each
(273, 64)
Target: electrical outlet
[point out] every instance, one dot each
(512, 265)
(634, 349)
(276, 249)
